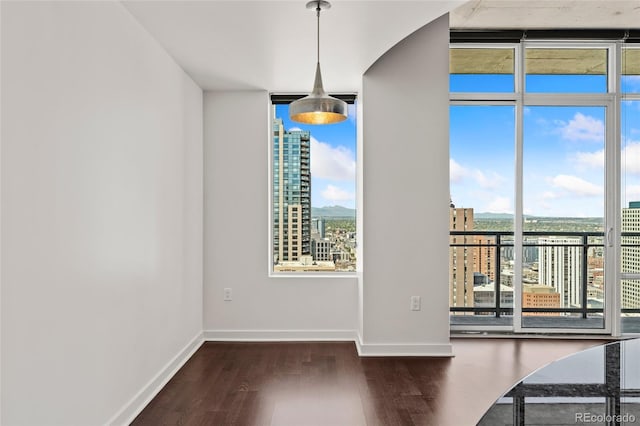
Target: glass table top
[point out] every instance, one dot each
(597, 386)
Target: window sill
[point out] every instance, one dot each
(324, 275)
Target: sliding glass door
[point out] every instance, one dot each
(562, 268)
(568, 140)
(481, 215)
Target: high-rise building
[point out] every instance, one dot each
(540, 296)
(291, 193)
(631, 255)
(321, 249)
(560, 267)
(484, 296)
(484, 256)
(317, 227)
(461, 258)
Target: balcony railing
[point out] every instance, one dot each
(496, 241)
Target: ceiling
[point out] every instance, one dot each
(270, 45)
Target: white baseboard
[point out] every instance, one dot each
(384, 349)
(279, 335)
(403, 349)
(132, 408)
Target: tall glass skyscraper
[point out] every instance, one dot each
(291, 193)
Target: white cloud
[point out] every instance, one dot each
(575, 186)
(631, 158)
(352, 113)
(595, 160)
(334, 194)
(632, 193)
(486, 180)
(328, 162)
(491, 181)
(456, 172)
(500, 205)
(590, 160)
(582, 128)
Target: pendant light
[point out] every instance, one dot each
(318, 107)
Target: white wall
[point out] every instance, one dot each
(237, 145)
(101, 213)
(403, 152)
(406, 196)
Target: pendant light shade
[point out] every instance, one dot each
(318, 107)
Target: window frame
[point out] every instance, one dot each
(286, 98)
(611, 99)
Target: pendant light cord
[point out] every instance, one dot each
(318, 32)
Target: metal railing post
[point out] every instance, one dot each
(497, 274)
(584, 272)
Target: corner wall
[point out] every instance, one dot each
(237, 143)
(403, 155)
(101, 214)
(406, 196)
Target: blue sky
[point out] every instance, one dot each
(563, 152)
(333, 159)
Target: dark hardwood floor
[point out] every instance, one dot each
(327, 384)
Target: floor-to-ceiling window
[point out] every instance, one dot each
(543, 133)
(482, 153)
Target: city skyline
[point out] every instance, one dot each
(553, 272)
(300, 243)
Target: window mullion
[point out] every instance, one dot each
(518, 190)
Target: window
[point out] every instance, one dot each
(534, 138)
(630, 79)
(482, 69)
(313, 187)
(481, 166)
(566, 70)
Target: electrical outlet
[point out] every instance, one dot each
(415, 303)
(227, 295)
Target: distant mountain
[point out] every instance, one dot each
(333, 211)
(492, 216)
(509, 216)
